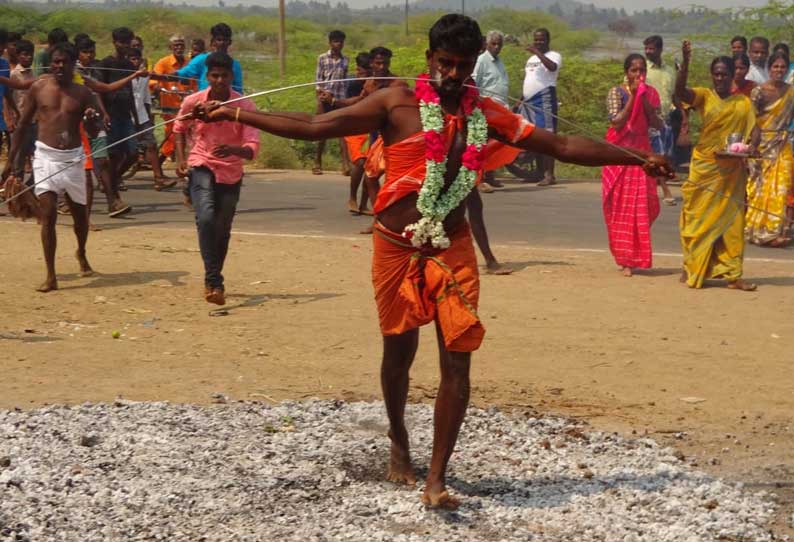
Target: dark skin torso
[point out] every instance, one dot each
(403, 121)
(60, 110)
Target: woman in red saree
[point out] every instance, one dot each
(629, 195)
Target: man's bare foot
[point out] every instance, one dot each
(441, 500)
(93, 227)
(626, 271)
(85, 268)
(352, 206)
(400, 469)
(48, 285)
(365, 211)
(495, 268)
(683, 278)
(742, 285)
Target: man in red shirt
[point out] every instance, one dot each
(214, 169)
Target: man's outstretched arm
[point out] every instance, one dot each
(367, 115)
(588, 152)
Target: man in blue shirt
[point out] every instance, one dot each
(197, 68)
(5, 71)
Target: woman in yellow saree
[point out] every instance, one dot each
(712, 217)
(771, 176)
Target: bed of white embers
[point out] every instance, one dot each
(314, 471)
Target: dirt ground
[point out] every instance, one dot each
(707, 371)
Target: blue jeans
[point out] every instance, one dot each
(215, 204)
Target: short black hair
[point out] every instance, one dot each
(24, 46)
(85, 44)
(544, 31)
(456, 33)
(782, 47)
(13, 37)
(198, 41)
(219, 60)
(3, 35)
(221, 30)
(336, 35)
(57, 35)
(741, 57)
(362, 60)
(654, 40)
(122, 34)
(777, 55)
(760, 39)
(79, 37)
(137, 37)
(630, 59)
(64, 47)
(728, 61)
(134, 51)
(380, 51)
(740, 39)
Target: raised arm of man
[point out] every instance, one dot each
(383, 110)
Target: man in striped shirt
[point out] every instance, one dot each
(331, 65)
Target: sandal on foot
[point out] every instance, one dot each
(672, 202)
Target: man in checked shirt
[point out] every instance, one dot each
(331, 65)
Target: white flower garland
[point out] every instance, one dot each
(432, 204)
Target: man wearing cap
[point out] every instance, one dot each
(171, 92)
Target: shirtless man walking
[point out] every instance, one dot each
(60, 105)
(429, 274)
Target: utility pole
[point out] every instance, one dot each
(406, 17)
(463, 7)
(282, 39)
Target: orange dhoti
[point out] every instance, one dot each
(413, 288)
(167, 147)
(355, 146)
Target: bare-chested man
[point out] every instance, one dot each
(59, 105)
(416, 286)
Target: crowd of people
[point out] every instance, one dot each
(734, 194)
(432, 143)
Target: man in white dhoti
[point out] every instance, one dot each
(60, 105)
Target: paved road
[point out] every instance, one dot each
(566, 215)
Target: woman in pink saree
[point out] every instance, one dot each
(629, 196)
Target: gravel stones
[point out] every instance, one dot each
(313, 471)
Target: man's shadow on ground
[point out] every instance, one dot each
(131, 278)
(254, 300)
(515, 267)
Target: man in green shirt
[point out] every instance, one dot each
(662, 78)
(41, 62)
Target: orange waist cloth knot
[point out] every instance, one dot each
(413, 287)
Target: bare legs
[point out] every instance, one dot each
(49, 215)
(450, 409)
(49, 205)
(356, 176)
(547, 164)
(398, 355)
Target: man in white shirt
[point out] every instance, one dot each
(143, 108)
(539, 103)
(758, 53)
(489, 72)
(491, 78)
